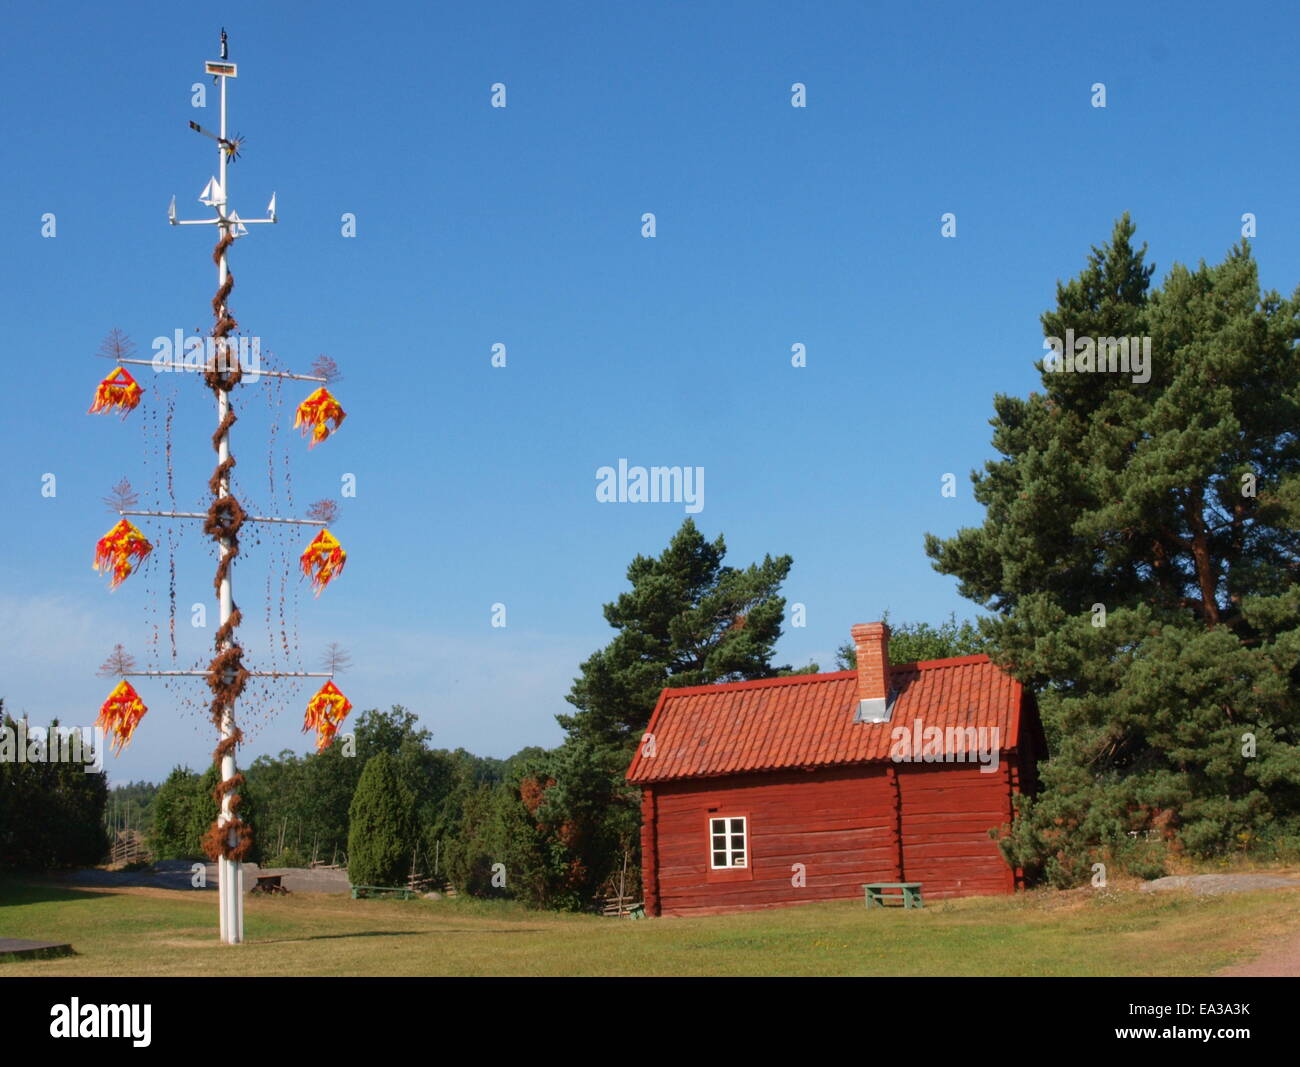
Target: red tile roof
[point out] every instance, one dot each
(807, 720)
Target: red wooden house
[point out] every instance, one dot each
(786, 790)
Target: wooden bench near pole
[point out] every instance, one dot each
(908, 894)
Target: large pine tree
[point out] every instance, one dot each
(1141, 551)
(687, 620)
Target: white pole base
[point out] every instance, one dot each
(230, 886)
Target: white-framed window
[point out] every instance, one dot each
(728, 842)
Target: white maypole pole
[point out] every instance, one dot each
(230, 226)
(229, 874)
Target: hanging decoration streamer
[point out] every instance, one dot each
(315, 415)
(121, 550)
(325, 712)
(322, 560)
(120, 714)
(118, 391)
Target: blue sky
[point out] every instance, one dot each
(522, 226)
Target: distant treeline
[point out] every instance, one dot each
(130, 807)
(456, 814)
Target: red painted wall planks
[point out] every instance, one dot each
(649, 853)
(841, 826)
(845, 826)
(948, 811)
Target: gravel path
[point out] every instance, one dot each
(177, 874)
(1204, 884)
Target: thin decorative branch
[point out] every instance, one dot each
(119, 662)
(326, 368)
(324, 511)
(337, 659)
(121, 497)
(117, 345)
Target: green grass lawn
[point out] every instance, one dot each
(1084, 932)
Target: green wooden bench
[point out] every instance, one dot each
(360, 891)
(637, 911)
(909, 894)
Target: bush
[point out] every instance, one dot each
(1282, 846)
(1144, 858)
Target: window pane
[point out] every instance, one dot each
(738, 860)
(719, 841)
(737, 826)
(718, 826)
(719, 859)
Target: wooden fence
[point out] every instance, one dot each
(128, 847)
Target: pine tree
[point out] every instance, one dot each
(687, 620)
(379, 826)
(1141, 549)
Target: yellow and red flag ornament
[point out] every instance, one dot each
(120, 714)
(117, 392)
(322, 560)
(316, 413)
(121, 551)
(325, 713)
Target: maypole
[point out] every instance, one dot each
(227, 675)
(230, 838)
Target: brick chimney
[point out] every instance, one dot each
(871, 639)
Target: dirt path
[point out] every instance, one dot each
(1279, 960)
